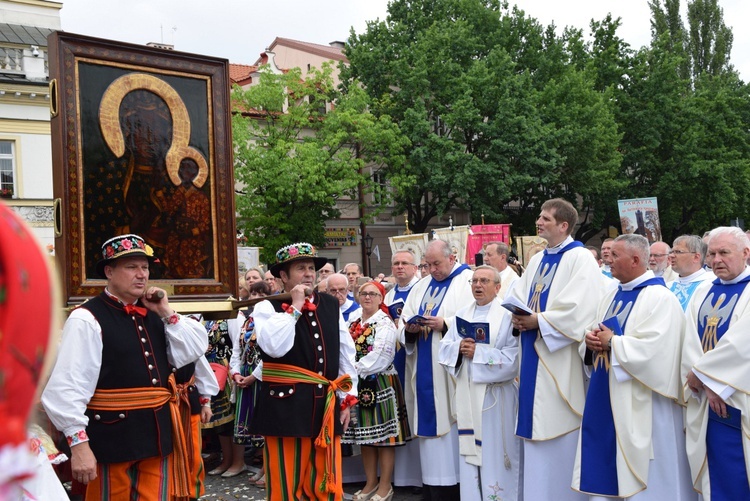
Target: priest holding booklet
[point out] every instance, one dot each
(480, 353)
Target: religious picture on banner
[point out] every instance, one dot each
(416, 243)
(457, 238)
(640, 216)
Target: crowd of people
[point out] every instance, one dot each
(614, 372)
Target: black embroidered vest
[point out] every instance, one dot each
(296, 410)
(134, 354)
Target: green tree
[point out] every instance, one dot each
(295, 161)
(497, 109)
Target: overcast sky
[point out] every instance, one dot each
(240, 29)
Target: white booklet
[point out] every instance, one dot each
(515, 306)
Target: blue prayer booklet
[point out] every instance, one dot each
(395, 309)
(417, 319)
(478, 331)
(613, 324)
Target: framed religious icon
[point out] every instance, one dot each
(142, 144)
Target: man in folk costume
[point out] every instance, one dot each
(435, 298)
(485, 366)
(631, 443)
(687, 257)
(309, 382)
(113, 392)
(562, 286)
(716, 367)
(404, 269)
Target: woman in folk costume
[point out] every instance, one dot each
(222, 335)
(246, 369)
(480, 352)
(381, 413)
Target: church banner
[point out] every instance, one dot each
(527, 246)
(417, 243)
(640, 216)
(457, 237)
(482, 234)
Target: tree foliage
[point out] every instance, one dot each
(295, 161)
(498, 110)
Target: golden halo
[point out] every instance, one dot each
(109, 121)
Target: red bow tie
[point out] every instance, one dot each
(308, 306)
(132, 309)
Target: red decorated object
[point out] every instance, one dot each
(27, 318)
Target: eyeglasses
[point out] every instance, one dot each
(680, 252)
(423, 266)
(659, 255)
(336, 291)
(368, 294)
(402, 263)
(483, 281)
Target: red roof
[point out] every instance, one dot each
(239, 73)
(333, 53)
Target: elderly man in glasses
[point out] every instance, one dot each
(658, 261)
(338, 288)
(480, 353)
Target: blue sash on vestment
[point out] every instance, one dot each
(537, 301)
(684, 291)
(726, 458)
(598, 436)
(399, 361)
(351, 309)
(429, 306)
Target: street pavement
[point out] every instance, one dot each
(239, 487)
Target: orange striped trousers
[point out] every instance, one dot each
(295, 469)
(197, 474)
(143, 480)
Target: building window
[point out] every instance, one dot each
(7, 187)
(379, 188)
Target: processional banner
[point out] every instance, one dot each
(640, 216)
(417, 243)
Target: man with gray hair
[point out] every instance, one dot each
(632, 352)
(715, 362)
(428, 313)
(687, 256)
(480, 353)
(337, 287)
(496, 255)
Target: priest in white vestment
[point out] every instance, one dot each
(496, 255)
(435, 298)
(631, 444)
(404, 264)
(716, 369)
(562, 286)
(480, 352)
(687, 257)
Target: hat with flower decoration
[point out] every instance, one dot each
(124, 246)
(295, 252)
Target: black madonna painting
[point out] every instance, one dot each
(142, 144)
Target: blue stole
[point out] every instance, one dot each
(726, 459)
(537, 301)
(598, 437)
(684, 292)
(429, 306)
(352, 308)
(399, 360)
